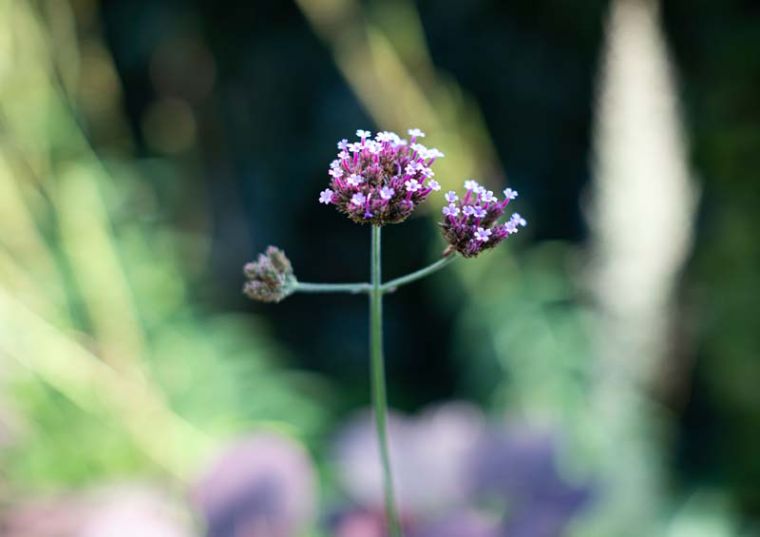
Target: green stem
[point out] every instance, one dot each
(355, 288)
(392, 285)
(378, 381)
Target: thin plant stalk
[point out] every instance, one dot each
(355, 288)
(358, 288)
(379, 399)
(392, 285)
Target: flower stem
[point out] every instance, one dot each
(392, 285)
(378, 381)
(355, 288)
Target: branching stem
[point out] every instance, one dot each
(358, 288)
(392, 285)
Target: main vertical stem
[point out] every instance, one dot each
(378, 381)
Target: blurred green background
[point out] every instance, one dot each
(148, 149)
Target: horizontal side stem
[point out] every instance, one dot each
(355, 288)
(392, 285)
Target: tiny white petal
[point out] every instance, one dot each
(450, 210)
(510, 194)
(326, 196)
(412, 185)
(482, 235)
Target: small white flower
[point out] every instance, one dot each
(468, 210)
(433, 153)
(482, 234)
(412, 185)
(417, 133)
(510, 194)
(355, 180)
(336, 172)
(517, 219)
(426, 172)
(487, 196)
(471, 184)
(387, 192)
(480, 212)
(358, 199)
(450, 210)
(434, 185)
(373, 147)
(355, 147)
(343, 155)
(386, 136)
(411, 169)
(363, 134)
(419, 148)
(451, 196)
(326, 196)
(343, 144)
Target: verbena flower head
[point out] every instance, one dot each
(381, 181)
(470, 221)
(270, 278)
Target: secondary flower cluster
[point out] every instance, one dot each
(381, 180)
(470, 223)
(270, 278)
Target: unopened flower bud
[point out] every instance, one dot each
(270, 277)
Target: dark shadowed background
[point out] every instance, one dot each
(148, 149)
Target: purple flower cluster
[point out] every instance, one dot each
(470, 222)
(460, 475)
(381, 180)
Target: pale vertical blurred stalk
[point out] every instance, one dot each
(90, 248)
(641, 220)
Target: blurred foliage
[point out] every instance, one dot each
(715, 46)
(120, 372)
(148, 149)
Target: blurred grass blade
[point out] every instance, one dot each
(97, 388)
